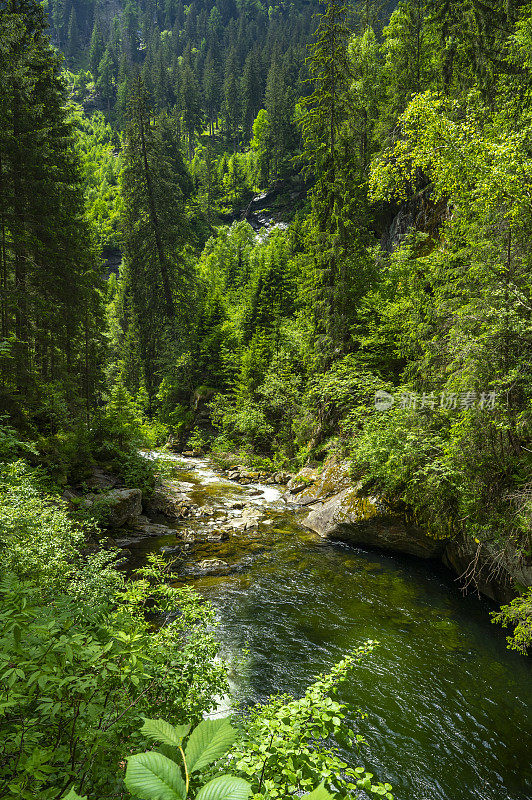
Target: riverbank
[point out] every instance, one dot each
(327, 502)
(339, 509)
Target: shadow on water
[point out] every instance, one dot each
(448, 705)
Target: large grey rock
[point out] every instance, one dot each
(121, 505)
(303, 479)
(147, 529)
(366, 521)
(333, 477)
(212, 565)
(170, 501)
(101, 480)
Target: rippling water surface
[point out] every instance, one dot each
(449, 707)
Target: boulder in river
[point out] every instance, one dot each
(349, 517)
(216, 536)
(171, 551)
(305, 477)
(170, 501)
(318, 485)
(212, 565)
(146, 528)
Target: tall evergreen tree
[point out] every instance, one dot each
(96, 49)
(339, 258)
(211, 89)
(73, 39)
(231, 104)
(155, 185)
(191, 110)
(251, 92)
(50, 305)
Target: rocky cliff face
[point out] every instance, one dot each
(338, 510)
(421, 213)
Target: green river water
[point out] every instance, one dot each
(448, 706)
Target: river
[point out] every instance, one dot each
(448, 705)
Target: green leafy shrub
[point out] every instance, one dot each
(38, 540)
(11, 444)
(156, 774)
(517, 614)
(288, 745)
(403, 454)
(76, 680)
(198, 440)
(136, 471)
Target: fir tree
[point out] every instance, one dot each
(73, 39)
(190, 105)
(155, 185)
(48, 279)
(96, 49)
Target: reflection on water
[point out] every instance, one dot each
(448, 705)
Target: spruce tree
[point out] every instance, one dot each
(251, 92)
(190, 101)
(155, 186)
(339, 258)
(231, 104)
(96, 49)
(73, 39)
(50, 305)
(211, 90)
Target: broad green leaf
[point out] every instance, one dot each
(163, 732)
(210, 740)
(226, 787)
(73, 795)
(152, 776)
(320, 793)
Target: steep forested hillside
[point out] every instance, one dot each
(405, 270)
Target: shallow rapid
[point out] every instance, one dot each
(449, 707)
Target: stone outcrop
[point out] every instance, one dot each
(483, 568)
(169, 501)
(309, 486)
(146, 529)
(338, 510)
(121, 505)
(244, 475)
(211, 565)
(366, 521)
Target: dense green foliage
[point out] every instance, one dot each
(80, 659)
(50, 310)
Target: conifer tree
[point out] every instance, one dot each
(279, 103)
(96, 49)
(339, 259)
(73, 39)
(251, 92)
(211, 90)
(49, 284)
(191, 110)
(107, 74)
(231, 104)
(155, 186)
